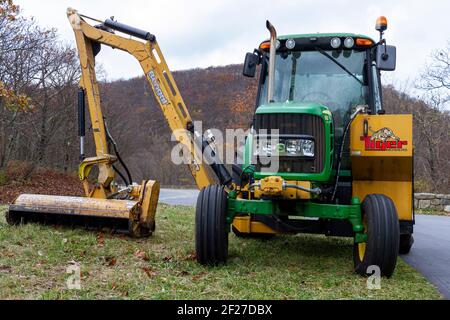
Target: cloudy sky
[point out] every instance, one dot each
(218, 32)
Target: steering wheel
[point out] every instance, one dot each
(324, 96)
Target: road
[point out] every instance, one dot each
(186, 197)
(430, 253)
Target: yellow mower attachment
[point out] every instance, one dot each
(137, 217)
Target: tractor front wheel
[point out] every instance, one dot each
(211, 227)
(382, 228)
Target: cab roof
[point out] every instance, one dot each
(323, 35)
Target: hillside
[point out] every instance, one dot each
(220, 97)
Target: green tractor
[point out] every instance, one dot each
(321, 156)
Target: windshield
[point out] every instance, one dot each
(334, 78)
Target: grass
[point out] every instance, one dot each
(34, 258)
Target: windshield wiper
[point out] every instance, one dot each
(339, 64)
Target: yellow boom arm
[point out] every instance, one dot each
(160, 79)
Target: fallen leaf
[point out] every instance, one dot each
(110, 261)
(4, 268)
(191, 256)
(8, 254)
(198, 276)
(100, 239)
(142, 255)
(150, 273)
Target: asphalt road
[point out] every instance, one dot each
(430, 253)
(186, 197)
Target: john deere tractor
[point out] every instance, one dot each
(322, 156)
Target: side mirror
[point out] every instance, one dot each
(386, 57)
(250, 63)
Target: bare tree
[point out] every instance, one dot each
(433, 121)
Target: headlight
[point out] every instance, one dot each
(290, 44)
(299, 147)
(335, 43)
(349, 42)
(284, 147)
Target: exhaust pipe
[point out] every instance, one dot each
(273, 42)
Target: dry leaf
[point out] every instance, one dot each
(100, 239)
(110, 261)
(142, 255)
(150, 273)
(4, 268)
(198, 276)
(191, 256)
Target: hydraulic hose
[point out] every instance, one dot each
(116, 151)
(341, 148)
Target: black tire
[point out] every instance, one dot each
(383, 235)
(211, 227)
(13, 218)
(260, 236)
(406, 242)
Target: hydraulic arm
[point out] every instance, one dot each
(105, 198)
(155, 68)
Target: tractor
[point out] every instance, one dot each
(321, 156)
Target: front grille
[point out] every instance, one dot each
(296, 124)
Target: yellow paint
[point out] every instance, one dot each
(245, 225)
(273, 186)
(361, 250)
(292, 193)
(148, 201)
(400, 124)
(399, 191)
(388, 171)
(74, 205)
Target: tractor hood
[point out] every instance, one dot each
(294, 107)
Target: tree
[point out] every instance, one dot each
(433, 122)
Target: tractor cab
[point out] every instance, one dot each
(318, 81)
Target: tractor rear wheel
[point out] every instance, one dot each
(211, 227)
(406, 242)
(382, 228)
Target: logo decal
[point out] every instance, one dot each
(157, 88)
(383, 139)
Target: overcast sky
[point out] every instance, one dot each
(219, 32)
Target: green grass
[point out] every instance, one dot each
(34, 258)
